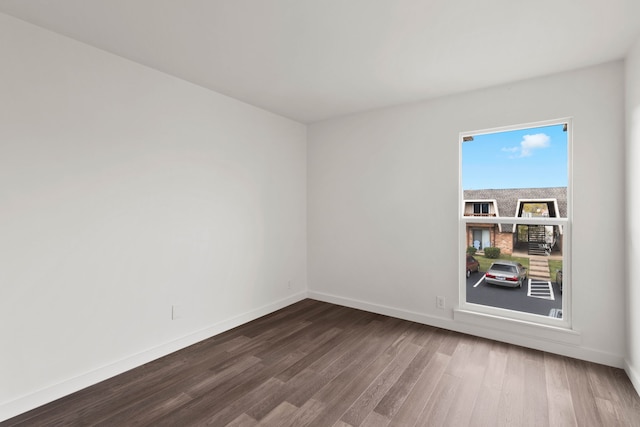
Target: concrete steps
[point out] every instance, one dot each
(539, 268)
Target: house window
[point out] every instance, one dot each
(524, 171)
(481, 238)
(481, 208)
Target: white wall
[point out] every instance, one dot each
(124, 192)
(383, 206)
(633, 208)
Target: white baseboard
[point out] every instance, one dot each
(33, 400)
(522, 335)
(633, 375)
(439, 322)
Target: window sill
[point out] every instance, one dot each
(521, 328)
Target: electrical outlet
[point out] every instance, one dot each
(289, 286)
(440, 302)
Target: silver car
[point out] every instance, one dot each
(506, 273)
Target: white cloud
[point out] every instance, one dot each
(531, 142)
(528, 144)
(511, 149)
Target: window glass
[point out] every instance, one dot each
(520, 242)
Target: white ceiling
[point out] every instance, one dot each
(315, 59)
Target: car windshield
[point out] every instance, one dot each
(503, 267)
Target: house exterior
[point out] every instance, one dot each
(548, 202)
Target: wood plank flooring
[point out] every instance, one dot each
(318, 364)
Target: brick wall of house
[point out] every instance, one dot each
(504, 241)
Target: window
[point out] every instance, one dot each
(521, 238)
(481, 238)
(480, 208)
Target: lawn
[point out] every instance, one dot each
(485, 262)
(554, 265)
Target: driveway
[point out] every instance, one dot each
(534, 298)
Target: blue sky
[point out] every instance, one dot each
(525, 158)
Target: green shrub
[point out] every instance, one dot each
(492, 252)
(471, 250)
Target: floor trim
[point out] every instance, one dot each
(33, 400)
(516, 334)
(633, 375)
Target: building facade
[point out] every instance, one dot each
(548, 202)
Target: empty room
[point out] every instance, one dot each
(324, 213)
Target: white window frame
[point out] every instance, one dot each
(564, 223)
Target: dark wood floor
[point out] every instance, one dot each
(323, 365)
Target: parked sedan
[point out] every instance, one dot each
(473, 266)
(506, 273)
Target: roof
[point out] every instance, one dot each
(507, 198)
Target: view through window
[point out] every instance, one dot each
(514, 220)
